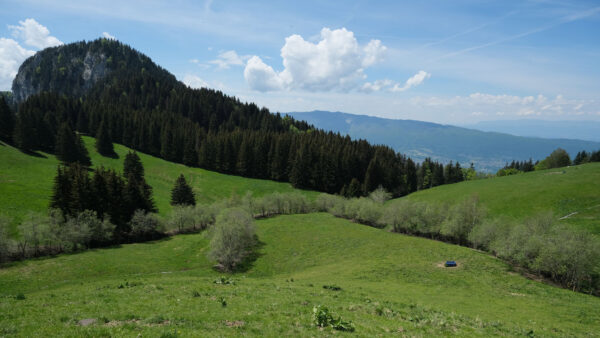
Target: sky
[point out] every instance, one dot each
(452, 62)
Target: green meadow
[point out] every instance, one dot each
(390, 284)
(572, 191)
(26, 181)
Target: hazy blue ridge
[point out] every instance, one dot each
(418, 139)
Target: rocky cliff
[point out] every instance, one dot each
(75, 68)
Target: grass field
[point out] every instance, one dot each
(571, 191)
(390, 284)
(26, 181)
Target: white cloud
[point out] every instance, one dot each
(336, 62)
(413, 81)
(108, 36)
(261, 77)
(194, 81)
(369, 87)
(12, 56)
(34, 34)
(229, 58)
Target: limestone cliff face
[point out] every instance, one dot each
(54, 70)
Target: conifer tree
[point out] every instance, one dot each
(61, 191)
(133, 166)
(6, 121)
(103, 141)
(182, 193)
(66, 148)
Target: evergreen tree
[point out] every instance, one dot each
(24, 133)
(103, 141)
(61, 191)
(6, 121)
(69, 146)
(182, 193)
(133, 166)
(354, 189)
(66, 148)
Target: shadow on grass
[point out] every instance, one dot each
(33, 153)
(114, 155)
(249, 261)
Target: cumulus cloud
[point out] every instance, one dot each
(228, 59)
(413, 81)
(262, 77)
(11, 57)
(34, 34)
(335, 62)
(108, 36)
(194, 81)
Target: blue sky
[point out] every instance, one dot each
(443, 61)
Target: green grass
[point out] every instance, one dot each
(563, 191)
(26, 181)
(389, 283)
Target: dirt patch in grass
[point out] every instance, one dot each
(235, 323)
(443, 265)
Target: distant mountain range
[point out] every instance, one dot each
(488, 151)
(581, 130)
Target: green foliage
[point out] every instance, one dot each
(104, 144)
(462, 218)
(7, 121)
(232, 238)
(224, 281)
(69, 147)
(182, 193)
(145, 226)
(507, 172)
(322, 317)
(557, 159)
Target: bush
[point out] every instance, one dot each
(86, 229)
(6, 243)
(380, 195)
(322, 317)
(462, 219)
(232, 239)
(33, 230)
(324, 202)
(145, 226)
(488, 231)
(182, 219)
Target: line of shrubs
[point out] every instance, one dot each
(568, 256)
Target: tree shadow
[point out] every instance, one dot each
(33, 153)
(113, 155)
(249, 261)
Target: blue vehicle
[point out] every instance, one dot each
(450, 264)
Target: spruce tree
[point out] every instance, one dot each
(66, 148)
(182, 193)
(7, 121)
(103, 142)
(61, 191)
(133, 166)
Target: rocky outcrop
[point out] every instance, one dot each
(60, 70)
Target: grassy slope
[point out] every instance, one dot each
(26, 181)
(395, 273)
(562, 191)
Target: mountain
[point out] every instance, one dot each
(144, 107)
(582, 130)
(419, 140)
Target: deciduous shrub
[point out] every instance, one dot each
(233, 238)
(145, 226)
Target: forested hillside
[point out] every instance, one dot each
(140, 105)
